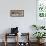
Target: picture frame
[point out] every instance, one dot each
(17, 13)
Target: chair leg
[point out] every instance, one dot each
(5, 40)
(5, 43)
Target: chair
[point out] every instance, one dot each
(25, 36)
(14, 32)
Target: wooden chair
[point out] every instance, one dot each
(8, 34)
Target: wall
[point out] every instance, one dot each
(24, 23)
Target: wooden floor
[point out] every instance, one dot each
(13, 44)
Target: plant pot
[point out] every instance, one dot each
(38, 40)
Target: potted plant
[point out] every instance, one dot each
(39, 35)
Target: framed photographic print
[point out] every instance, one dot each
(17, 13)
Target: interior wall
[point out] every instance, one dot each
(24, 23)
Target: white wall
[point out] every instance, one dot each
(24, 23)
